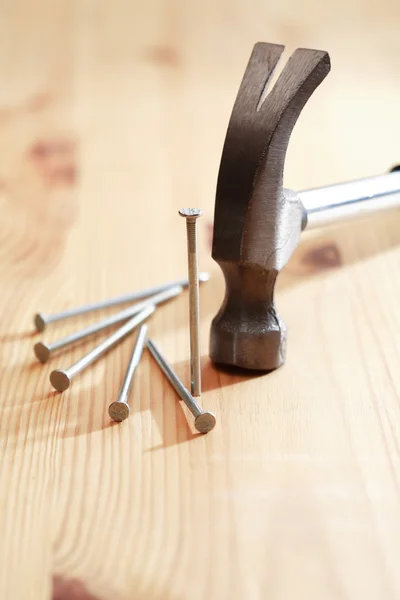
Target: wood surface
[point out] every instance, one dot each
(113, 116)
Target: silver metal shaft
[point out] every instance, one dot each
(204, 421)
(43, 350)
(61, 379)
(41, 320)
(119, 410)
(191, 215)
(349, 200)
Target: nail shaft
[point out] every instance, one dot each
(204, 420)
(61, 379)
(44, 350)
(191, 216)
(119, 410)
(41, 320)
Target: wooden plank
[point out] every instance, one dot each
(112, 116)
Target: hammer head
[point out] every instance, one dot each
(257, 223)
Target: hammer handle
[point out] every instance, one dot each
(326, 205)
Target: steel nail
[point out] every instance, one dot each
(204, 421)
(43, 350)
(61, 379)
(191, 215)
(41, 320)
(119, 410)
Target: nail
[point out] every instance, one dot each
(204, 421)
(41, 320)
(191, 215)
(61, 379)
(119, 410)
(43, 350)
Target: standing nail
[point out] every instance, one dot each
(191, 215)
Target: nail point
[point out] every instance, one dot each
(205, 422)
(41, 351)
(119, 411)
(60, 380)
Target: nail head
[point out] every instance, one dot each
(41, 351)
(39, 321)
(119, 411)
(205, 422)
(190, 213)
(60, 380)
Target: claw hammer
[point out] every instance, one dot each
(257, 222)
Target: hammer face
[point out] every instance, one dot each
(248, 331)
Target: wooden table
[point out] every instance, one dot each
(112, 116)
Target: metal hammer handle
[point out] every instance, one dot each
(349, 200)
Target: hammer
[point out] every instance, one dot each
(257, 223)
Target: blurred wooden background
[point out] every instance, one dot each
(112, 116)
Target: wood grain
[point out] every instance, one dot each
(112, 116)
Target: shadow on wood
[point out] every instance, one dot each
(324, 250)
